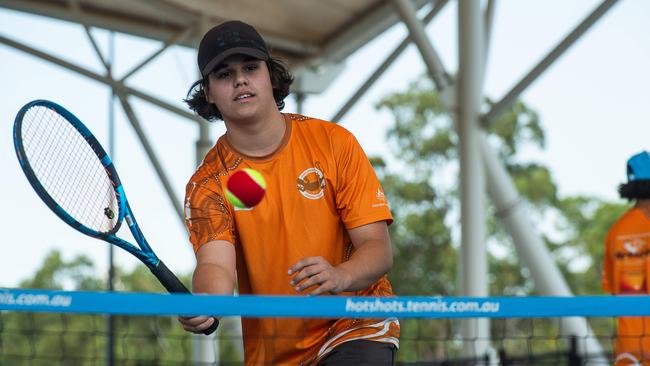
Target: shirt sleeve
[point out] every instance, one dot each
(207, 216)
(360, 199)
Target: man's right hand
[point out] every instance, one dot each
(196, 324)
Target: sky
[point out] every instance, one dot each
(592, 104)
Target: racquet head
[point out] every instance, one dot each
(73, 175)
(68, 168)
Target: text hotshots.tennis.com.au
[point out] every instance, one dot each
(385, 305)
(35, 299)
(416, 306)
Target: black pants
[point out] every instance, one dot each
(361, 353)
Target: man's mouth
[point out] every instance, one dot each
(244, 96)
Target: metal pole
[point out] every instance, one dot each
(475, 332)
(205, 349)
(204, 142)
(110, 346)
(300, 102)
(549, 281)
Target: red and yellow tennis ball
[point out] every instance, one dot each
(245, 188)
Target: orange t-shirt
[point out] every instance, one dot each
(625, 272)
(319, 183)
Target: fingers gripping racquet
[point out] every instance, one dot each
(73, 175)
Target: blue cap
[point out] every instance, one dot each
(638, 167)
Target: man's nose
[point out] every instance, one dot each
(240, 79)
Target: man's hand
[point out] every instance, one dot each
(196, 324)
(214, 274)
(372, 258)
(316, 271)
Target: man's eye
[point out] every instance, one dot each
(251, 67)
(222, 74)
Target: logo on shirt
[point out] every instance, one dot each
(635, 246)
(381, 199)
(630, 248)
(311, 183)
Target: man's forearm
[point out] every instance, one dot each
(367, 264)
(210, 278)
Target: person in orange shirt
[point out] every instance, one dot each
(321, 228)
(626, 259)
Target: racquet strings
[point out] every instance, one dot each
(68, 169)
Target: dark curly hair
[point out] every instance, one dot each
(635, 190)
(281, 79)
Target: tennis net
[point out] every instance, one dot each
(40, 327)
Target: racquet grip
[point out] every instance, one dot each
(174, 285)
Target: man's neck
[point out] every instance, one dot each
(257, 137)
(645, 203)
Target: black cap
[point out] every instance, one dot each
(227, 39)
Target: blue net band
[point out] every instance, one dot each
(321, 306)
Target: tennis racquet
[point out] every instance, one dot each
(75, 177)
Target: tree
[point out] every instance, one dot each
(422, 188)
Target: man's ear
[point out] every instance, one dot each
(274, 80)
(205, 94)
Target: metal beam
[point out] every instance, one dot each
(181, 36)
(487, 33)
(430, 57)
(118, 86)
(547, 61)
(531, 249)
(122, 91)
(362, 30)
(214, 14)
(134, 26)
(135, 123)
(385, 65)
(76, 10)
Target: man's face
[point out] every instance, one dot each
(241, 88)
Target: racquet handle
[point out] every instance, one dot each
(174, 285)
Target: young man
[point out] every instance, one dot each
(320, 229)
(626, 263)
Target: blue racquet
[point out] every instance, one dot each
(75, 177)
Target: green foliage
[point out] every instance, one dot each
(56, 272)
(534, 182)
(517, 127)
(423, 192)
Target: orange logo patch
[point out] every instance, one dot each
(311, 183)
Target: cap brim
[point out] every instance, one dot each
(253, 52)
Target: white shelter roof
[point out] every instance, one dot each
(304, 32)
